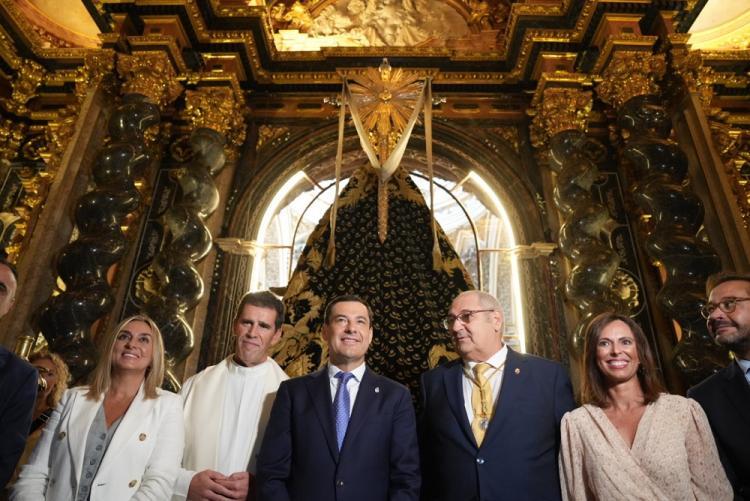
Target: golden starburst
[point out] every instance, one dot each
(386, 99)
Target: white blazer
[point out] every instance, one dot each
(141, 462)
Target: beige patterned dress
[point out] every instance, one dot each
(673, 457)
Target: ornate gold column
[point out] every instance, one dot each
(722, 149)
(174, 285)
(671, 214)
(561, 110)
(51, 159)
(87, 266)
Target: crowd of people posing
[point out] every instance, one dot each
(495, 424)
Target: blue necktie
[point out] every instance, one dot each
(341, 406)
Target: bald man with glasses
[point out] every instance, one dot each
(725, 396)
(490, 427)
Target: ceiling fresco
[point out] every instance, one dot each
(387, 23)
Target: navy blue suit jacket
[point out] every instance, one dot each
(725, 397)
(379, 459)
(518, 457)
(18, 382)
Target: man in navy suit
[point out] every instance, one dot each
(18, 382)
(725, 396)
(343, 433)
(490, 428)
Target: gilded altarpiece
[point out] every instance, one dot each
(489, 58)
(498, 151)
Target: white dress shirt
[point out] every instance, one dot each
(494, 375)
(745, 367)
(352, 385)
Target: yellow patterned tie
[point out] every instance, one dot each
(481, 402)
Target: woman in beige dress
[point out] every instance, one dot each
(630, 441)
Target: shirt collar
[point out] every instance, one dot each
(358, 372)
(235, 368)
(744, 365)
(496, 361)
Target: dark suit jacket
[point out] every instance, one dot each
(725, 397)
(379, 460)
(518, 457)
(17, 398)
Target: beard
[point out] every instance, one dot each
(737, 341)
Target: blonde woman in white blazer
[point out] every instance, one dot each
(119, 438)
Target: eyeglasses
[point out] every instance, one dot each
(464, 317)
(727, 306)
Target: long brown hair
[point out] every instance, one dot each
(593, 384)
(101, 378)
(63, 375)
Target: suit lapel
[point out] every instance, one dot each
(366, 399)
(511, 385)
(4, 357)
(738, 390)
(83, 412)
(319, 388)
(453, 381)
(135, 420)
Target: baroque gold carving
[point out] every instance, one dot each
(8, 50)
(560, 109)
(626, 288)
(630, 74)
(97, 66)
(11, 137)
(35, 186)
(216, 108)
(296, 18)
(734, 148)
(58, 133)
(479, 17)
(150, 74)
(29, 75)
(509, 134)
(267, 133)
(8, 233)
(688, 66)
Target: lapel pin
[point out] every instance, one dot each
(377, 389)
(142, 437)
(517, 371)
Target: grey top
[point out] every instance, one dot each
(97, 442)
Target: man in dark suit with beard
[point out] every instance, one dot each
(725, 396)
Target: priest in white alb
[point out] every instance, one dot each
(226, 407)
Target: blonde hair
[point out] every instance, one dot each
(63, 375)
(101, 378)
